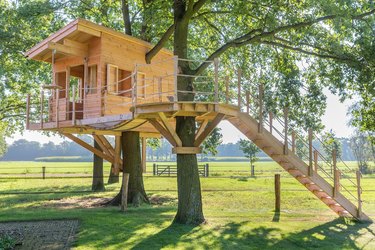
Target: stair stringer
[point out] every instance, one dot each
(296, 167)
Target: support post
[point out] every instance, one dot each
(247, 102)
(206, 170)
(310, 170)
(154, 169)
(74, 106)
(277, 193)
(41, 108)
(175, 58)
(124, 194)
(252, 170)
(359, 193)
(143, 157)
(260, 125)
(28, 111)
(336, 174)
(286, 146)
(44, 172)
(227, 89)
(239, 73)
(216, 69)
(293, 142)
(271, 120)
(316, 161)
(57, 107)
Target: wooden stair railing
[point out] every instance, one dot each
(296, 167)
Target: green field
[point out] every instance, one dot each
(239, 210)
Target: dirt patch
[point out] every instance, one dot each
(81, 202)
(161, 200)
(51, 234)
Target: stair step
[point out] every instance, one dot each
(328, 200)
(320, 193)
(337, 207)
(312, 187)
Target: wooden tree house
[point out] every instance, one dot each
(101, 85)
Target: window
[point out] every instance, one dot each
(112, 78)
(92, 79)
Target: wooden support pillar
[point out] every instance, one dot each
(294, 142)
(277, 193)
(28, 111)
(270, 115)
(216, 89)
(41, 108)
(239, 73)
(247, 102)
(336, 174)
(286, 144)
(74, 106)
(227, 89)
(206, 170)
(310, 170)
(175, 58)
(124, 193)
(260, 99)
(143, 157)
(316, 158)
(359, 193)
(57, 107)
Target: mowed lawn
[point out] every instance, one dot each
(239, 211)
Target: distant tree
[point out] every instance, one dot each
(250, 150)
(330, 143)
(153, 144)
(211, 143)
(3, 144)
(362, 149)
(301, 149)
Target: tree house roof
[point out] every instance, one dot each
(72, 40)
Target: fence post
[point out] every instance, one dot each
(277, 193)
(293, 142)
(316, 161)
(239, 73)
(216, 69)
(310, 170)
(336, 174)
(359, 193)
(154, 169)
(286, 146)
(124, 194)
(252, 170)
(206, 170)
(260, 126)
(44, 172)
(227, 89)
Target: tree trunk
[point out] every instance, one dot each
(131, 151)
(97, 180)
(189, 191)
(113, 178)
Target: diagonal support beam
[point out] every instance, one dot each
(199, 140)
(163, 131)
(105, 149)
(170, 129)
(89, 147)
(201, 128)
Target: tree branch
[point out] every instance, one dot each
(126, 17)
(163, 40)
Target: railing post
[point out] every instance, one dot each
(294, 142)
(124, 194)
(57, 107)
(336, 174)
(247, 101)
(216, 69)
(28, 111)
(41, 108)
(227, 89)
(270, 115)
(359, 193)
(310, 170)
(260, 126)
(74, 106)
(175, 73)
(239, 73)
(316, 161)
(135, 85)
(277, 193)
(286, 146)
(160, 89)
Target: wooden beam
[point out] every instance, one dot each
(316, 161)
(77, 45)
(186, 150)
(294, 142)
(163, 131)
(89, 147)
(201, 128)
(208, 129)
(336, 174)
(107, 144)
(286, 144)
(277, 193)
(260, 126)
(102, 146)
(68, 50)
(170, 129)
(88, 30)
(359, 193)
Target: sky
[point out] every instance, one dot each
(334, 118)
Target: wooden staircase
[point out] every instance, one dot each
(295, 166)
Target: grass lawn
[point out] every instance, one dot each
(239, 213)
